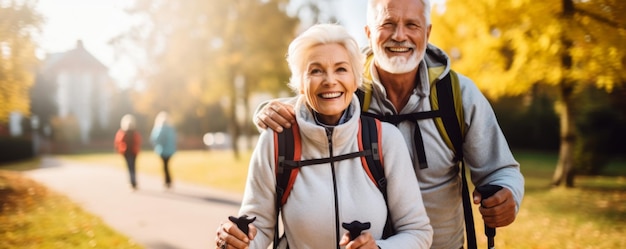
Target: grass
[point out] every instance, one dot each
(592, 215)
(217, 168)
(31, 216)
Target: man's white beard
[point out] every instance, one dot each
(395, 64)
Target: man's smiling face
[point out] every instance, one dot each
(398, 35)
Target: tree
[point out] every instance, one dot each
(18, 22)
(509, 46)
(199, 53)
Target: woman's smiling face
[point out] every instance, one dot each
(328, 82)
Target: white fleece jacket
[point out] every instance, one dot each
(309, 214)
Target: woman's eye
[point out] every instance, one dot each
(342, 69)
(315, 71)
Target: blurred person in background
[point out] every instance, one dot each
(163, 138)
(128, 143)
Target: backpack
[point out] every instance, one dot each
(129, 140)
(447, 113)
(288, 149)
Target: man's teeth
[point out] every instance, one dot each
(330, 95)
(393, 49)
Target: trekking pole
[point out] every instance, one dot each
(355, 228)
(242, 222)
(487, 191)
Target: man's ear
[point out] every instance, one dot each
(428, 31)
(367, 31)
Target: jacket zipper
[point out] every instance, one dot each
(329, 135)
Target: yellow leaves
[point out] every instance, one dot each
(545, 42)
(605, 82)
(529, 45)
(17, 58)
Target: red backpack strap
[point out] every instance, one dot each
(287, 147)
(370, 137)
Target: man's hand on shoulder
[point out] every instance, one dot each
(275, 115)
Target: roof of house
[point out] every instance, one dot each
(77, 59)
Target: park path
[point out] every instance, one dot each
(184, 217)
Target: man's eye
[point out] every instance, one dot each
(388, 23)
(413, 26)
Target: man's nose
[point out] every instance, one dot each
(399, 33)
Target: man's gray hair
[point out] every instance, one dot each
(371, 12)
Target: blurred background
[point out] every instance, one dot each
(70, 69)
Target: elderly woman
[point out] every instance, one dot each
(326, 67)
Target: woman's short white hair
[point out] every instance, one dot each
(321, 34)
(128, 122)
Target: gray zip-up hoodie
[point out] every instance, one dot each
(310, 211)
(486, 151)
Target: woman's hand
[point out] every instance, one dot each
(364, 241)
(229, 236)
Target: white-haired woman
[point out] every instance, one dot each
(326, 67)
(128, 143)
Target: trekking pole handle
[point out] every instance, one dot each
(355, 228)
(242, 222)
(487, 191)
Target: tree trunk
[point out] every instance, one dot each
(234, 123)
(564, 173)
(245, 98)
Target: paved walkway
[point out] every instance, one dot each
(184, 217)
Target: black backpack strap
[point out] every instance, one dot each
(467, 211)
(450, 120)
(370, 140)
(284, 146)
(445, 98)
(417, 133)
(360, 94)
(293, 164)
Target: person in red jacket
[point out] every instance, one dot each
(128, 143)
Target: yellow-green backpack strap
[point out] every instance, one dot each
(445, 96)
(366, 97)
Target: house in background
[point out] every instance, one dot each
(78, 86)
